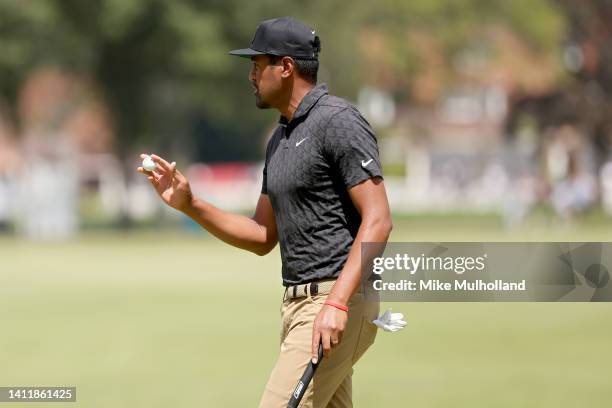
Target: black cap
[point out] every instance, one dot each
(283, 36)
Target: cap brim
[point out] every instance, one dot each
(246, 52)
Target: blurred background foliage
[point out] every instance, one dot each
(163, 68)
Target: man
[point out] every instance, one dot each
(322, 195)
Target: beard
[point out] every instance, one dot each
(260, 103)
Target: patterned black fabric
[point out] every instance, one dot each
(311, 162)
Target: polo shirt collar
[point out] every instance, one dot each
(307, 102)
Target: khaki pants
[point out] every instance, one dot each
(331, 385)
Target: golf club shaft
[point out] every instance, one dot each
(303, 383)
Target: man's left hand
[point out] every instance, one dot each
(327, 329)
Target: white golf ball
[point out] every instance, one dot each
(148, 164)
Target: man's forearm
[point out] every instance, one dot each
(234, 229)
(375, 230)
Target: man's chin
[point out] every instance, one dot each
(260, 103)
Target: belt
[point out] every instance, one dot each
(312, 289)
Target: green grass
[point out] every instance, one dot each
(180, 320)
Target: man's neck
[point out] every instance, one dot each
(294, 101)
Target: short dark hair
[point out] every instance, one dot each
(306, 68)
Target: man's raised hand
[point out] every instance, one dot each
(171, 185)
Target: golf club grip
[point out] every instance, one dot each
(302, 385)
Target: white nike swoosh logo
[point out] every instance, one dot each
(300, 142)
(365, 163)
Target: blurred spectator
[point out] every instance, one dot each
(606, 187)
(575, 193)
(62, 118)
(9, 161)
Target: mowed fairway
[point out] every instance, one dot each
(178, 320)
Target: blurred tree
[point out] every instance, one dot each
(170, 83)
(397, 39)
(588, 56)
(584, 100)
(161, 64)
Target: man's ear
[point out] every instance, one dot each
(288, 65)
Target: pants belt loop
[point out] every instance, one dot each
(295, 291)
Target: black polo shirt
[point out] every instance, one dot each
(311, 162)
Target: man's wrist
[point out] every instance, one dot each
(339, 295)
(190, 208)
(336, 305)
(338, 299)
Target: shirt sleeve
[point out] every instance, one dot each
(270, 148)
(264, 181)
(351, 147)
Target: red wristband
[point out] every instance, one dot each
(336, 305)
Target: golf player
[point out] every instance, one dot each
(322, 195)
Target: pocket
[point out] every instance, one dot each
(318, 299)
(367, 335)
(356, 299)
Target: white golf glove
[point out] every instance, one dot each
(390, 322)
